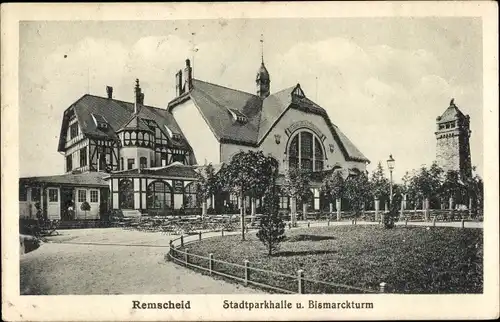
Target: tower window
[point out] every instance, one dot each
(130, 164)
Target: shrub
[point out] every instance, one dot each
(272, 228)
(391, 217)
(85, 207)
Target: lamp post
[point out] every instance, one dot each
(390, 165)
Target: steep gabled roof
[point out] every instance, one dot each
(117, 114)
(217, 103)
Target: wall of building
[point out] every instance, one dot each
(294, 117)
(135, 153)
(447, 151)
(205, 146)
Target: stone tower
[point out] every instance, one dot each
(452, 136)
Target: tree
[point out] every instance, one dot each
(333, 186)
(391, 217)
(452, 187)
(208, 184)
(357, 191)
(85, 206)
(272, 228)
(474, 186)
(248, 174)
(297, 185)
(379, 184)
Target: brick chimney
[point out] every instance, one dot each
(188, 72)
(109, 90)
(179, 87)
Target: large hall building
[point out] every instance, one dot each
(132, 156)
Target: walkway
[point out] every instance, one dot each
(96, 261)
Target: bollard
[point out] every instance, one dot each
(462, 223)
(182, 241)
(308, 224)
(186, 256)
(328, 224)
(382, 287)
(247, 273)
(199, 235)
(300, 281)
(210, 263)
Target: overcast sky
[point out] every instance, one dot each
(383, 81)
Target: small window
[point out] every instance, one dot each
(83, 156)
(53, 195)
(23, 193)
(82, 195)
(283, 202)
(130, 164)
(143, 162)
(94, 196)
(73, 130)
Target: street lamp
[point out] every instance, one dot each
(390, 165)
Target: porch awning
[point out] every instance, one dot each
(91, 179)
(174, 170)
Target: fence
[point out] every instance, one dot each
(245, 273)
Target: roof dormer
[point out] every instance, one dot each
(100, 121)
(237, 116)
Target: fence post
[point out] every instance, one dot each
(210, 263)
(170, 244)
(182, 241)
(434, 221)
(406, 222)
(382, 287)
(462, 223)
(186, 256)
(222, 232)
(247, 273)
(328, 222)
(300, 281)
(199, 235)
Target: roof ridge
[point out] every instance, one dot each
(114, 99)
(232, 89)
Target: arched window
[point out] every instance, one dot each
(159, 195)
(306, 151)
(190, 200)
(127, 138)
(126, 194)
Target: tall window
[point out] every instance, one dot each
(69, 163)
(53, 195)
(94, 195)
(35, 194)
(82, 195)
(23, 193)
(283, 202)
(126, 194)
(143, 162)
(122, 166)
(130, 164)
(73, 129)
(190, 196)
(306, 152)
(83, 156)
(159, 195)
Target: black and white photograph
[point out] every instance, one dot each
(299, 165)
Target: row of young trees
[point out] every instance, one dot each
(254, 174)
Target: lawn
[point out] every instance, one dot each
(412, 260)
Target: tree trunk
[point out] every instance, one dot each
(377, 208)
(304, 210)
(242, 210)
(426, 208)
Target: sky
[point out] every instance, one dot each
(383, 81)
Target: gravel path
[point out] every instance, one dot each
(62, 267)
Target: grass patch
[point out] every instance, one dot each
(412, 260)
